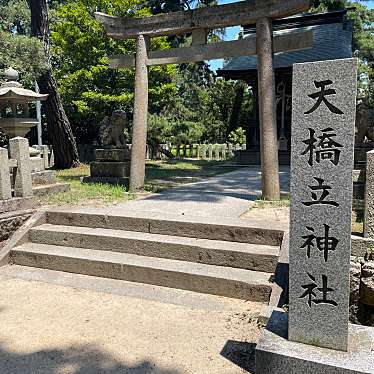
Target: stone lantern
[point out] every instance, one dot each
(14, 105)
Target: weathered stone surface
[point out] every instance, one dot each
(139, 129)
(362, 247)
(267, 110)
(276, 354)
(19, 150)
(5, 188)
(37, 164)
(244, 12)
(121, 181)
(11, 222)
(369, 196)
(367, 284)
(354, 281)
(110, 169)
(113, 154)
(43, 177)
(112, 129)
(321, 200)
(210, 151)
(235, 48)
(354, 290)
(19, 203)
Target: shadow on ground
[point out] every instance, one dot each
(241, 354)
(77, 359)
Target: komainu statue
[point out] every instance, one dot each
(112, 129)
(364, 124)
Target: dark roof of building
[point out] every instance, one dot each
(332, 40)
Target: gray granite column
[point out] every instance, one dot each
(19, 150)
(5, 188)
(323, 117)
(139, 132)
(369, 196)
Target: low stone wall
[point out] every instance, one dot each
(10, 222)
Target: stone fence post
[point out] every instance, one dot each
(19, 150)
(204, 151)
(198, 151)
(210, 151)
(224, 150)
(369, 196)
(230, 150)
(216, 151)
(5, 188)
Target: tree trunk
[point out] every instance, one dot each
(59, 129)
(238, 101)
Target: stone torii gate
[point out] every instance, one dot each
(199, 22)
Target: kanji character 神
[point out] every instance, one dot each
(323, 243)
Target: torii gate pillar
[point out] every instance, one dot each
(139, 131)
(267, 110)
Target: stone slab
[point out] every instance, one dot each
(322, 143)
(211, 279)
(113, 154)
(276, 354)
(50, 189)
(213, 252)
(111, 169)
(17, 203)
(107, 180)
(11, 221)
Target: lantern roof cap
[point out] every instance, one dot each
(12, 90)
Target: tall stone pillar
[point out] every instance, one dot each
(139, 132)
(267, 110)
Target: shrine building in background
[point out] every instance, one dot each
(332, 33)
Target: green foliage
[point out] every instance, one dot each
(89, 89)
(363, 39)
(237, 136)
(19, 50)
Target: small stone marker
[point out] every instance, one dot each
(5, 188)
(323, 117)
(19, 150)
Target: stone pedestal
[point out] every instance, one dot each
(112, 166)
(276, 354)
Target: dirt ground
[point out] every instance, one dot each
(279, 215)
(49, 328)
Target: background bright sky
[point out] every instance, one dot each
(232, 32)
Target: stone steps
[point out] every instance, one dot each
(211, 256)
(210, 279)
(212, 252)
(168, 224)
